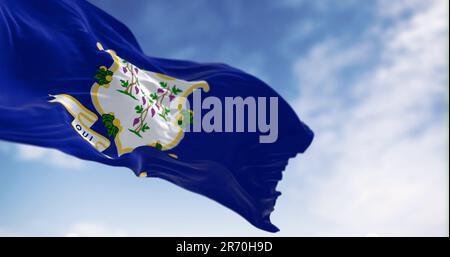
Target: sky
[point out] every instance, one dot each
(369, 77)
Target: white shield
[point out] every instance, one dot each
(142, 107)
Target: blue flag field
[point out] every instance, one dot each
(75, 79)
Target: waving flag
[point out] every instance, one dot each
(75, 79)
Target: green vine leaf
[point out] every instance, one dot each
(162, 116)
(139, 109)
(154, 96)
(176, 90)
(163, 84)
(145, 127)
(124, 83)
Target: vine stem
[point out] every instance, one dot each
(161, 98)
(144, 113)
(142, 118)
(133, 79)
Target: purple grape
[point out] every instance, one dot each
(144, 101)
(160, 90)
(171, 97)
(124, 69)
(152, 112)
(136, 121)
(137, 90)
(136, 70)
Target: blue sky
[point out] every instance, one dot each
(370, 77)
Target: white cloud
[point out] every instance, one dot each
(378, 164)
(89, 229)
(48, 156)
(395, 9)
